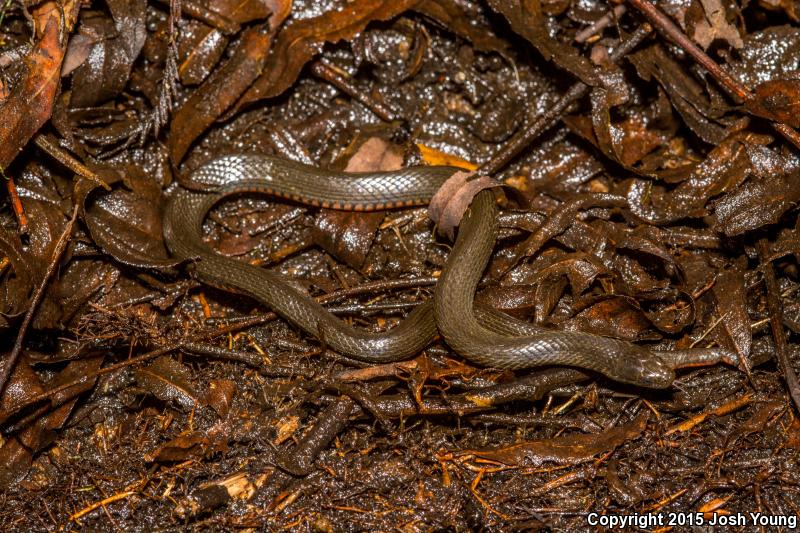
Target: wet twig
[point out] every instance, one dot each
(337, 79)
(66, 159)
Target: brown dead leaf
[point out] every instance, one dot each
(17, 283)
(568, 449)
(374, 155)
(348, 235)
(16, 453)
(707, 21)
(528, 20)
(729, 291)
(794, 434)
(297, 43)
(612, 316)
(168, 380)
(790, 7)
(117, 44)
(220, 395)
(218, 92)
(31, 100)
(759, 202)
(453, 17)
(126, 222)
(200, 47)
(195, 445)
(777, 100)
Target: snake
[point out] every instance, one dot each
(481, 334)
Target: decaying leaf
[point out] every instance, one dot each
(528, 20)
(108, 65)
(195, 445)
(300, 41)
(170, 381)
(777, 100)
(31, 100)
(569, 449)
(219, 91)
(707, 21)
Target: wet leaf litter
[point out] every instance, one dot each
(651, 165)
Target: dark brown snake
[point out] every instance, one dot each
(480, 334)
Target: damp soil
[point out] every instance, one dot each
(655, 204)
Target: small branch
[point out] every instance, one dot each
(333, 76)
(600, 24)
(66, 159)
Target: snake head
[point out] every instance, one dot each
(649, 370)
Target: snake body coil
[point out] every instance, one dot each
(483, 335)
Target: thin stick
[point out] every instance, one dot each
(338, 80)
(66, 159)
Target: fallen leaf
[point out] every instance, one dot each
(297, 43)
(707, 21)
(566, 449)
(31, 100)
(777, 100)
(195, 445)
(168, 380)
(218, 92)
